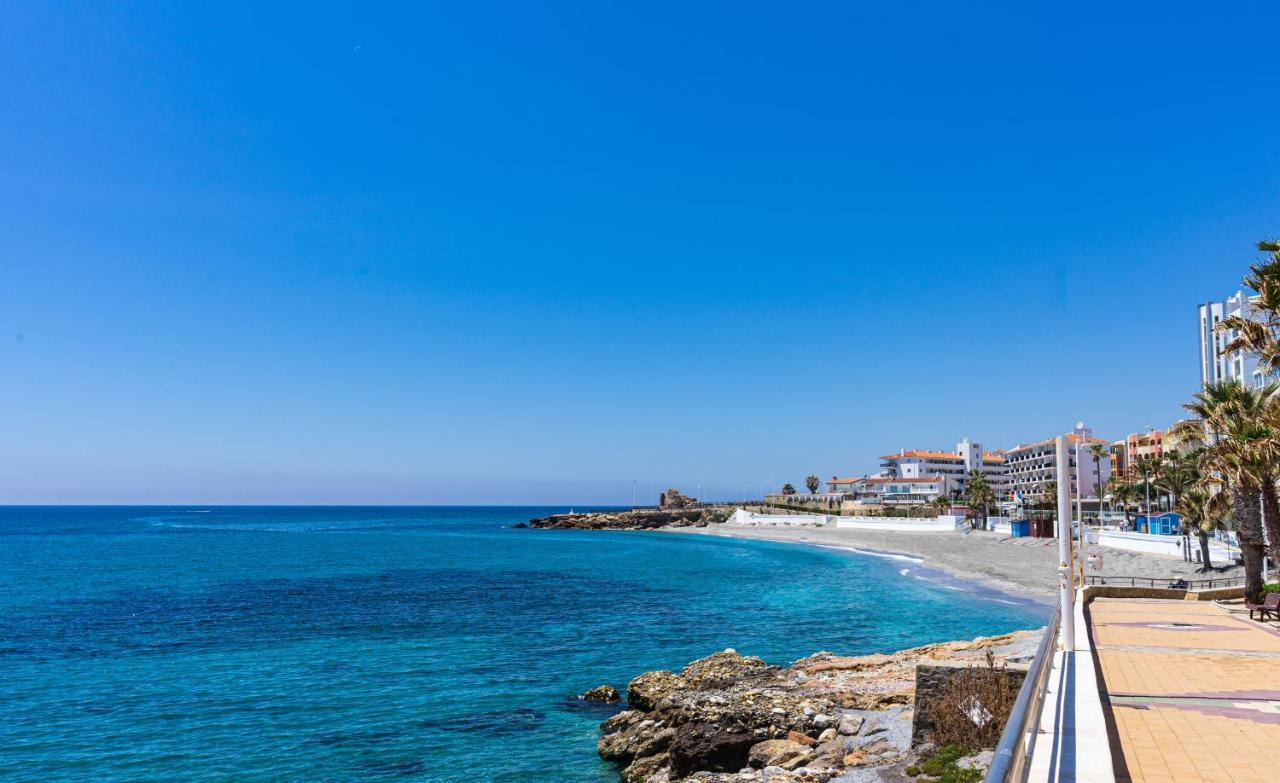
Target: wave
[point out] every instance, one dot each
(874, 553)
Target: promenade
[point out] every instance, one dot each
(1191, 691)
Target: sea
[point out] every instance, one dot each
(398, 644)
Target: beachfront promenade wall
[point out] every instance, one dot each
(939, 524)
(1157, 544)
(748, 519)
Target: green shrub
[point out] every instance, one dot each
(1271, 588)
(943, 766)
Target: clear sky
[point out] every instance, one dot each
(533, 252)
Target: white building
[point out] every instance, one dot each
(892, 490)
(955, 466)
(1033, 465)
(1215, 364)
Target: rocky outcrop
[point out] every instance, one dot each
(640, 519)
(730, 717)
(673, 499)
(605, 693)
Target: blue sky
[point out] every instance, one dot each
(531, 252)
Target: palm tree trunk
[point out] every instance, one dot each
(1204, 552)
(1271, 514)
(1245, 502)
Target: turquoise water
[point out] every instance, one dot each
(394, 644)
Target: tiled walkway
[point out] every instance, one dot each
(1194, 691)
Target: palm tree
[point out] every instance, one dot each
(1181, 473)
(1259, 334)
(941, 504)
(1098, 451)
(980, 494)
(812, 483)
(1124, 492)
(1149, 468)
(1049, 497)
(1241, 452)
(1203, 507)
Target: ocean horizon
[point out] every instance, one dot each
(398, 643)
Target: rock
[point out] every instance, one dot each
(621, 721)
(828, 755)
(850, 725)
(979, 761)
(645, 691)
(706, 746)
(701, 724)
(877, 747)
(778, 753)
(642, 770)
(641, 519)
(672, 498)
(601, 693)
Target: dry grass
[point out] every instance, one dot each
(974, 706)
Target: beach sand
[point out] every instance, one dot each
(1025, 566)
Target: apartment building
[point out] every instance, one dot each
(1030, 467)
(1137, 445)
(1215, 363)
(892, 490)
(955, 466)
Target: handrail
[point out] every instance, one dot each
(1166, 582)
(1009, 764)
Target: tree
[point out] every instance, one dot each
(1049, 497)
(812, 483)
(1202, 507)
(1098, 451)
(1181, 472)
(941, 504)
(1149, 468)
(1123, 492)
(1260, 333)
(787, 489)
(981, 496)
(1241, 453)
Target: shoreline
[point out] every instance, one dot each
(1027, 589)
(1023, 568)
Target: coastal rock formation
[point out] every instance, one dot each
(606, 693)
(640, 519)
(730, 717)
(672, 498)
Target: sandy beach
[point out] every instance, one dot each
(1026, 566)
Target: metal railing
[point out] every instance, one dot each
(1166, 583)
(1009, 764)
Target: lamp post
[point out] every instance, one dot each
(1066, 590)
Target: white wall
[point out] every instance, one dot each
(901, 524)
(748, 519)
(1159, 545)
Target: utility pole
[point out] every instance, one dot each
(1066, 588)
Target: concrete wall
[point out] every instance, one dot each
(748, 519)
(940, 524)
(1159, 545)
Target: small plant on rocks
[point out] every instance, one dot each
(943, 766)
